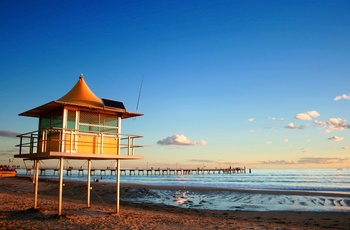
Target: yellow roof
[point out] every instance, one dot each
(82, 95)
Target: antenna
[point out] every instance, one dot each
(138, 99)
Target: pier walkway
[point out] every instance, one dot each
(152, 171)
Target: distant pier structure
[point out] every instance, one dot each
(78, 126)
(139, 171)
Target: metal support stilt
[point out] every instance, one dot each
(36, 184)
(60, 188)
(117, 192)
(88, 184)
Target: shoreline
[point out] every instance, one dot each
(17, 196)
(208, 188)
(256, 191)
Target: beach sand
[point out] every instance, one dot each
(16, 211)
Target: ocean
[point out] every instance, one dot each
(314, 181)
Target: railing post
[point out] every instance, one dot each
(31, 144)
(20, 145)
(102, 138)
(71, 141)
(43, 143)
(60, 141)
(133, 144)
(128, 145)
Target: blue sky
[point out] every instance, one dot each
(246, 83)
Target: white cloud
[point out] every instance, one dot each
(305, 150)
(336, 138)
(268, 142)
(344, 96)
(309, 160)
(251, 120)
(290, 126)
(178, 139)
(277, 162)
(203, 142)
(10, 134)
(338, 124)
(303, 116)
(285, 140)
(322, 160)
(307, 116)
(333, 124)
(313, 113)
(320, 123)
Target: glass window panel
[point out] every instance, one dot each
(71, 119)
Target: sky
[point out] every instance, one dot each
(261, 84)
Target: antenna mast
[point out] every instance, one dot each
(138, 99)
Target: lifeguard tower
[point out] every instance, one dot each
(78, 126)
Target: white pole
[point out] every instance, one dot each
(36, 184)
(117, 192)
(88, 183)
(60, 188)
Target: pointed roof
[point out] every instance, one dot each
(82, 95)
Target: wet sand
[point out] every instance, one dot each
(16, 212)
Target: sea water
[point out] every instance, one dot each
(336, 181)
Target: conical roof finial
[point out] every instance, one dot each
(81, 94)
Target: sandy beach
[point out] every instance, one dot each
(16, 211)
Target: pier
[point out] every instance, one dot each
(132, 172)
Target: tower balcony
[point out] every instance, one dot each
(53, 143)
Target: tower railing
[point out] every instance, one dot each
(68, 141)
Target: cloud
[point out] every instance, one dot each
(277, 162)
(307, 116)
(344, 96)
(319, 123)
(286, 140)
(346, 147)
(5, 133)
(338, 124)
(251, 120)
(305, 150)
(275, 119)
(268, 142)
(333, 124)
(336, 138)
(308, 160)
(202, 161)
(290, 126)
(322, 160)
(178, 139)
(8, 152)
